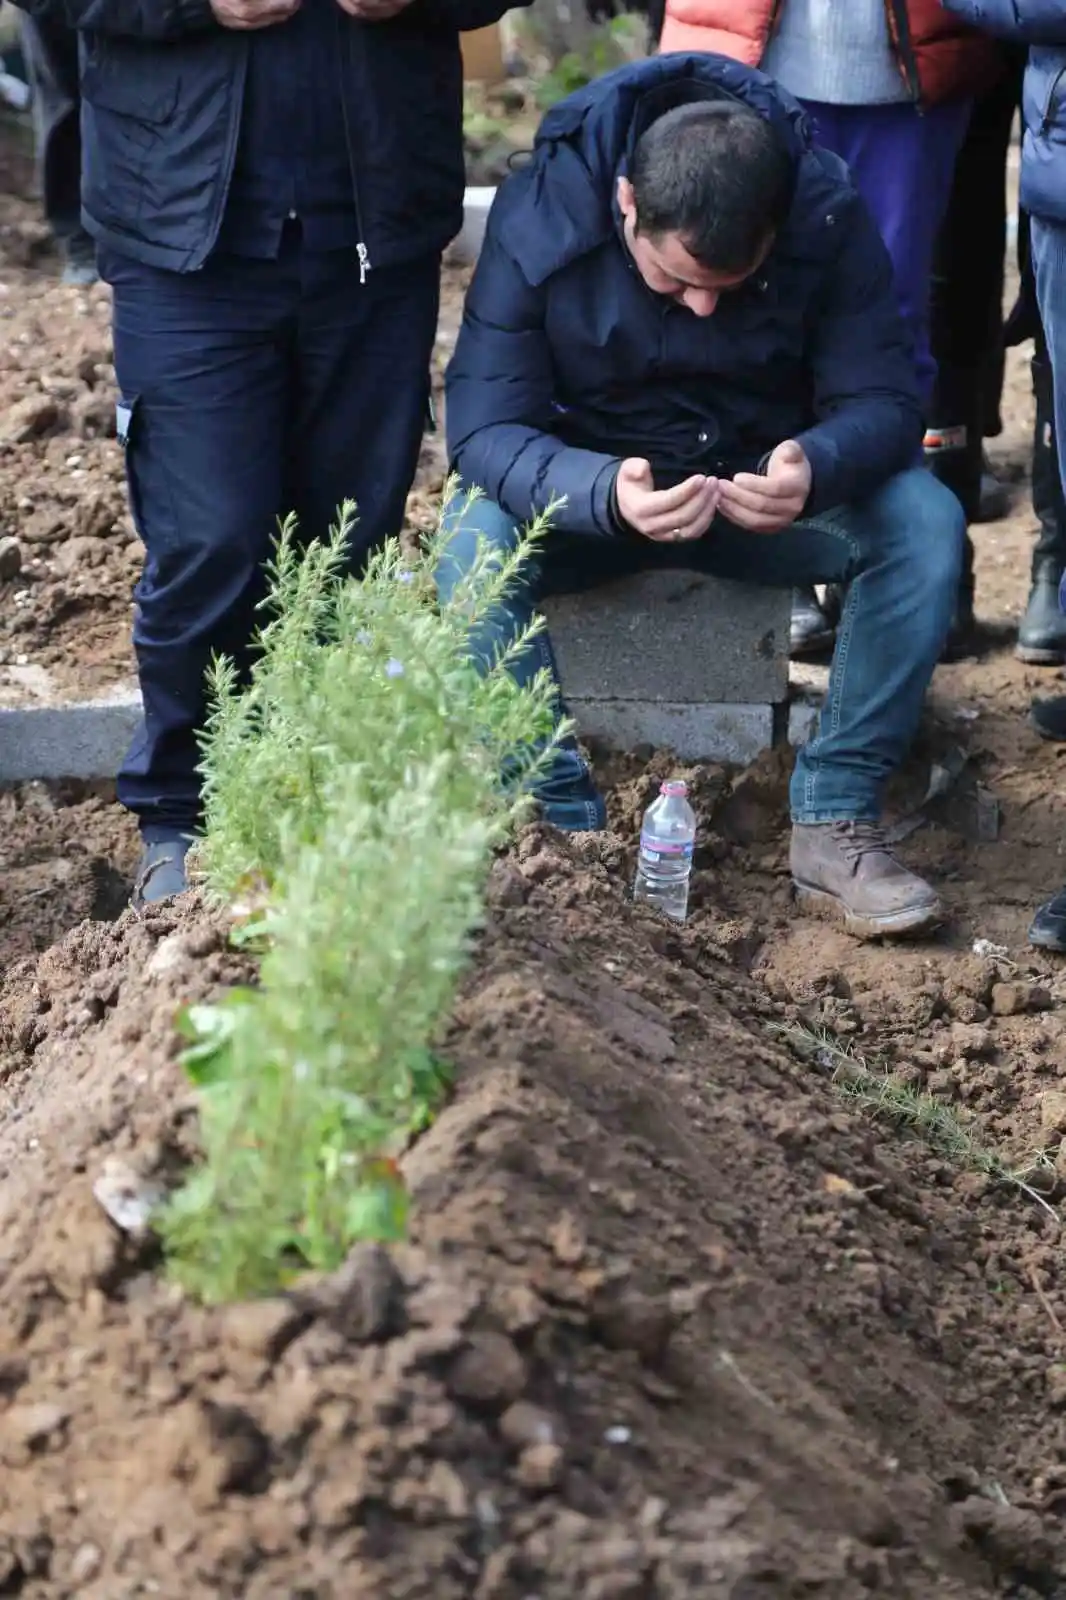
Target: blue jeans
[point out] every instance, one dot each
(899, 552)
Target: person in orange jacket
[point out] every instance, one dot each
(888, 85)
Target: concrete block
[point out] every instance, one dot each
(86, 739)
(476, 204)
(674, 637)
(802, 719)
(734, 733)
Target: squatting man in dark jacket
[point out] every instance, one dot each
(683, 321)
(270, 184)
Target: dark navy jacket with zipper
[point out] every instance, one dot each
(566, 362)
(163, 88)
(1042, 25)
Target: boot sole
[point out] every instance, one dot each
(1040, 658)
(1046, 733)
(901, 925)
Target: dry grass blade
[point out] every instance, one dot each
(875, 1091)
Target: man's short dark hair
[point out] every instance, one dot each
(718, 175)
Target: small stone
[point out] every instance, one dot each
(523, 1425)
(567, 1241)
(1055, 1382)
(634, 1321)
(1053, 1111)
(32, 418)
(489, 1373)
(972, 1042)
(265, 1328)
(10, 559)
(1013, 999)
(540, 1467)
(31, 1427)
(168, 954)
(364, 1299)
(86, 1563)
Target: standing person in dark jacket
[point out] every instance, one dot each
(683, 321)
(271, 185)
(1042, 25)
(50, 51)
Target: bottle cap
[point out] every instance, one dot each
(674, 786)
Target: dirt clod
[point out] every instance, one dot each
(489, 1372)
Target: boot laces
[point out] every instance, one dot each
(859, 839)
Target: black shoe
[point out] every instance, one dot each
(161, 874)
(1048, 717)
(962, 635)
(1042, 630)
(811, 632)
(993, 501)
(1048, 928)
(79, 258)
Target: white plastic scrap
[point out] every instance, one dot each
(993, 952)
(128, 1199)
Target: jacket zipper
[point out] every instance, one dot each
(1049, 105)
(899, 29)
(344, 53)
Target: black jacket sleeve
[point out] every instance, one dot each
(151, 20)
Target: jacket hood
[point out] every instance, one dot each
(587, 140)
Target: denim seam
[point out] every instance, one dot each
(830, 712)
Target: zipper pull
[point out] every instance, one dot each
(364, 260)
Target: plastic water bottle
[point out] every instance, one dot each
(667, 837)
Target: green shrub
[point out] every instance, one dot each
(353, 802)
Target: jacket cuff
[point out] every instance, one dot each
(605, 512)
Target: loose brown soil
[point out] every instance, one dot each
(677, 1321)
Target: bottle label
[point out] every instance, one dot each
(656, 850)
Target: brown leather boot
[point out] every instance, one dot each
(847, 871)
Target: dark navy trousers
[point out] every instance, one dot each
(249, 390)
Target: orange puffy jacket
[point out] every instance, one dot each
(939, 56)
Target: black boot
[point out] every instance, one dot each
(993, 502)
(812, 630)
(162, 871)
(1042, 631)
(1048, 928)
(1048, 718)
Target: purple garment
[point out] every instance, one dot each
(903, 162)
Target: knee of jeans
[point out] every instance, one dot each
(471, 523)
(927, 525)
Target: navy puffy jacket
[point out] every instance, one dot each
(566, 362)
(1041, 24)
(162, 91)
